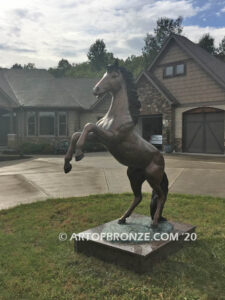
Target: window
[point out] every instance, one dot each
(168, 71)
(180, 69)
(47, 123)
(174, 70)
(31, 123)
(62, 124)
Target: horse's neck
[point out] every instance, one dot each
(119, 108)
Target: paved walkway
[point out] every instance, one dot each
(39, 178)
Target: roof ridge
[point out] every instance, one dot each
(68, 92)
(11, 88)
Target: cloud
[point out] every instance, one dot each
(205, 7)
(5, 47)
(135, 42)
(43, 32)
(194, 33)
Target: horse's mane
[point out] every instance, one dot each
(134, 103)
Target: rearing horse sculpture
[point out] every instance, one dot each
(116, 130)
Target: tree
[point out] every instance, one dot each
(63, 65)
(134, 64)
(153, 42)
(221, 48)
(17, 66)
(109, 58)
(207, 43)
(29, 66)
(97, 54)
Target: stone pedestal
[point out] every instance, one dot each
(138, 256)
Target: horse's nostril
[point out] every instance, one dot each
(97, 89)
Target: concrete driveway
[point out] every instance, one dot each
(39, 178)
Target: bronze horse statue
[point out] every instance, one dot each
(116, 130)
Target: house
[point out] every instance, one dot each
(182, 95)
(35, 107)
(183, 98)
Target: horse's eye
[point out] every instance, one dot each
(114, 75)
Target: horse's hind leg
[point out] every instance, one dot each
(153, 207)
(154, 175)
(136, 177)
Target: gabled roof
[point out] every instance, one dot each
(80, 89)
(6, 93)
(213, 66)
(38, 88)
(161, 89)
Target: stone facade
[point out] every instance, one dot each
(154, 103)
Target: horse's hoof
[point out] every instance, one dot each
(79, 155)
(122, 221)
(162, 219)
(67, 168)
(154, 226)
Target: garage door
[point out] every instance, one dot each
(203, 131)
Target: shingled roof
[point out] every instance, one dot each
(38, 88)
(80, 89)
(212, 65)
(7, 96)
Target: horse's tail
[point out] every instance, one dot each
(165, 184)
(165, 187)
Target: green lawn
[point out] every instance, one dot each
(34, 264)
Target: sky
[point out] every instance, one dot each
(43, 32)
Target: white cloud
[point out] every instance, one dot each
(43, 32)
(194, 33)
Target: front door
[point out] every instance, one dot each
(4, 129)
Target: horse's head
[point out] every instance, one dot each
(110, 82)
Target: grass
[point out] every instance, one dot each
(34, 264)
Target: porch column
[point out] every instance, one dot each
(12, 138)
(11, 122)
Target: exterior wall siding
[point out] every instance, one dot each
(172, 54)
(22, 137)
(73, 122)
(195, 86)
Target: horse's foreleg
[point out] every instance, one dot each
(70, 151)
(100, 133)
